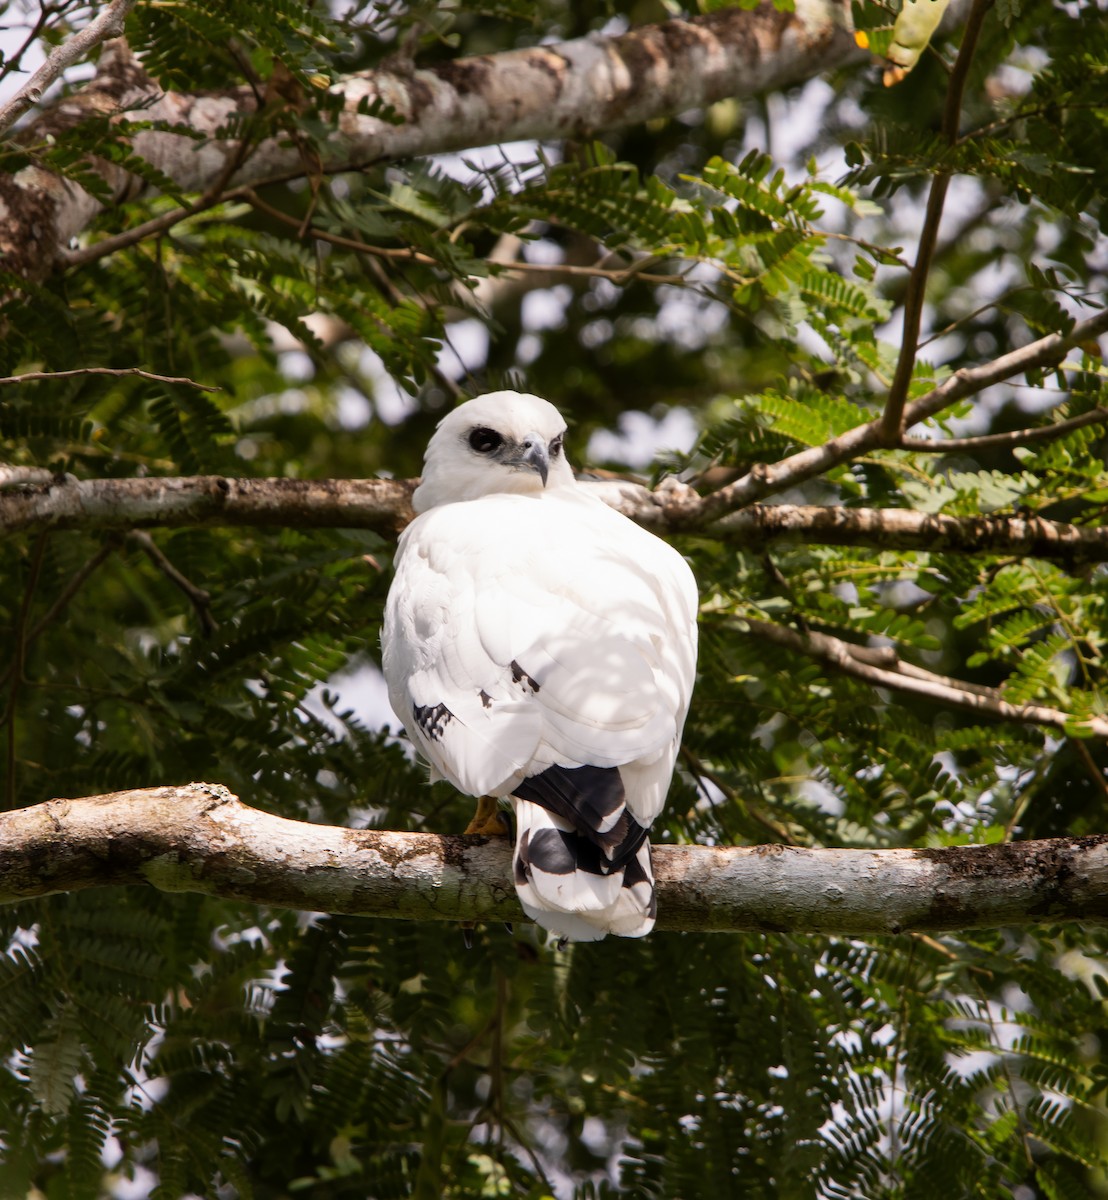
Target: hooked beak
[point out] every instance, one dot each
(535, 456)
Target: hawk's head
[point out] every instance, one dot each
(500, 442)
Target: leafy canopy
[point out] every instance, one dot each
(202, 1046)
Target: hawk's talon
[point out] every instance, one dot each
(490, 820)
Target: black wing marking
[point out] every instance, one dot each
(432, 719)
(520, 676)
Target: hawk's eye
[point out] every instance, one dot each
(556, 446)
(485, 441)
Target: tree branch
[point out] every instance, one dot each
(200, 838)
(117, 372)
(109, 24)
(80, 576)
(1005, 441)
(12, 476)
(882, 667)
(893, 417)
(766, 479)
(543, 92)
(200, 599)
(384, 506)
(906, 529)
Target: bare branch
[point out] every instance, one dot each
(118, 372)
(766, 479)
(19, 643)
(1005, 441)
(667, 510)
(11, 476)
(198, 597)
(892, 420)
(1043, 353)
(200, 838)
(383, 505)
(906, 529)
(138, 233)
(67, 593)
(109, 24)
(882, 667)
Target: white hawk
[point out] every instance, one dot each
(540, 647)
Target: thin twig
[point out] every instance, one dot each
(120, 241)
(214, 195)
(12, 63)
(109, 24)
(937, 947)
(200, 599)
(893, 420)
(1000, 441)
(19, 643)
(115, 372)
(901, 1034)
(67, 593)
(1025, 1132)
(71, 589)
(404, 254)
(1095, 772)
(703, 771)
(516, 1133)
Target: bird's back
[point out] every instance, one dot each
(540, 646)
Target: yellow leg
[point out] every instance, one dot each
(489, 819)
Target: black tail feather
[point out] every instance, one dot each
(588, 798)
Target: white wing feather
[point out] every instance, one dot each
(553, 630)
(524, 632)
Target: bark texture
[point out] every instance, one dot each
(30, 503)
(200, 838)
(568, 89)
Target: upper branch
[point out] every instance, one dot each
(563, 90)
(881, 666)
(109, 24)
(383, 505)
(200, 838)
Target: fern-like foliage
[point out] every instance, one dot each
(710, 263)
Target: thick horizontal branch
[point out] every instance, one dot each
(568, 89)
(384, 505)
(200, 838)
(100, 505)
(905, 529)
